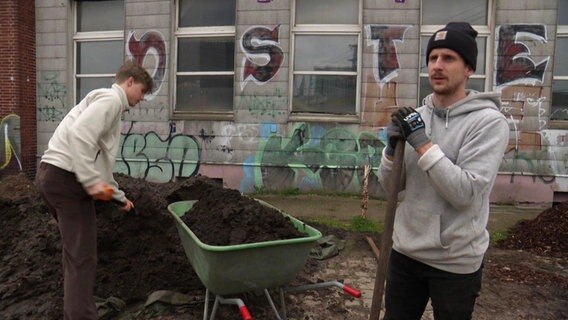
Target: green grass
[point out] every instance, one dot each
(498, 235)
(259, 191)
(356, 224)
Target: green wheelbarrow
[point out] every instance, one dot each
(234, 269)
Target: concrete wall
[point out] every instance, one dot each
(262, 145)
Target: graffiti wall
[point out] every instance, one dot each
(262, 145)
(51, 97)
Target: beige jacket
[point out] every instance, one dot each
(86, 141)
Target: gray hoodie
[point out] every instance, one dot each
(444, 205)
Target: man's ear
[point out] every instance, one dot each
(468, 71)
(130, 81)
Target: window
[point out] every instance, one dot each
(435, 15)
(205, 63)
(98, 44)
(326, 37)
(559, 109)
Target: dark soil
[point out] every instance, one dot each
(525, 276)
(224, 217)
(546, 235)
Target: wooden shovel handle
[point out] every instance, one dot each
(386, 240)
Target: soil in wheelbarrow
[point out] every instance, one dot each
(225, 217)
(525, 276)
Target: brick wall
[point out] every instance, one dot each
(18, 86)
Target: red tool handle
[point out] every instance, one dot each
(351, 291)
(245, 313)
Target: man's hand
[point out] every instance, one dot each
(412, 126)
(127, 206)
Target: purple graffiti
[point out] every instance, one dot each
(513, 56)
(261, 43)
(151, 43)
(384, 38)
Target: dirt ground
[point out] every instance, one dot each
(525, 276)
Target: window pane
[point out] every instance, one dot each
(560, 61)
(325, 94)
(100, 16)
(326, 53)
(96, 57)
(327, 11)
(443, 11)
(559, 109)
(425, 89)
(207, 13)
(563, 12)
(481, 43)
(86, 85)
(206, 54)
(204, 93)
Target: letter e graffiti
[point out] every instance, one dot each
(514, 63)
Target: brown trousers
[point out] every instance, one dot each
(74, 211)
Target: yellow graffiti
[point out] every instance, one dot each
(10, 129)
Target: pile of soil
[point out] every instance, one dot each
(546, 235)
(142, 253)
(138, 253)
(225, 217)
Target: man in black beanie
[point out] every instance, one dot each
(455, 143)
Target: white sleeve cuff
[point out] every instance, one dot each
(429, 159)
(385, 162)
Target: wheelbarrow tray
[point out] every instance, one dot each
(232, 269)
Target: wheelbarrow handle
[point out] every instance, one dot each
(245, 314)
(351, 291)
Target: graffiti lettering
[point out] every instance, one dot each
(384, 39)
(513, 56)
(151, 44)
(263, 54)
(261, 105)
(313, 158)
(10, 150)
(152, 158)
(51, 98)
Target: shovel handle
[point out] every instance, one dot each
(386, 241)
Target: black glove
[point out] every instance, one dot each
(393, 135)
(412, 126)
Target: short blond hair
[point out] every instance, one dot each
(133, 69)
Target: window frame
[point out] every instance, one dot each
(325, 29)
(200, 32)
(561, 32)
(91, 36)
(483, 31)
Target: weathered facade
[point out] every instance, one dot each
(286, 94)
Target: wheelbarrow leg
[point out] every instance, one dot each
(274, 306)
(282, 302)
(245, 314)
(206, 309)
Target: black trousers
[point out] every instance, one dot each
(410, 284)
(75, 213)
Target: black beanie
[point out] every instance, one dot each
(458, 36)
